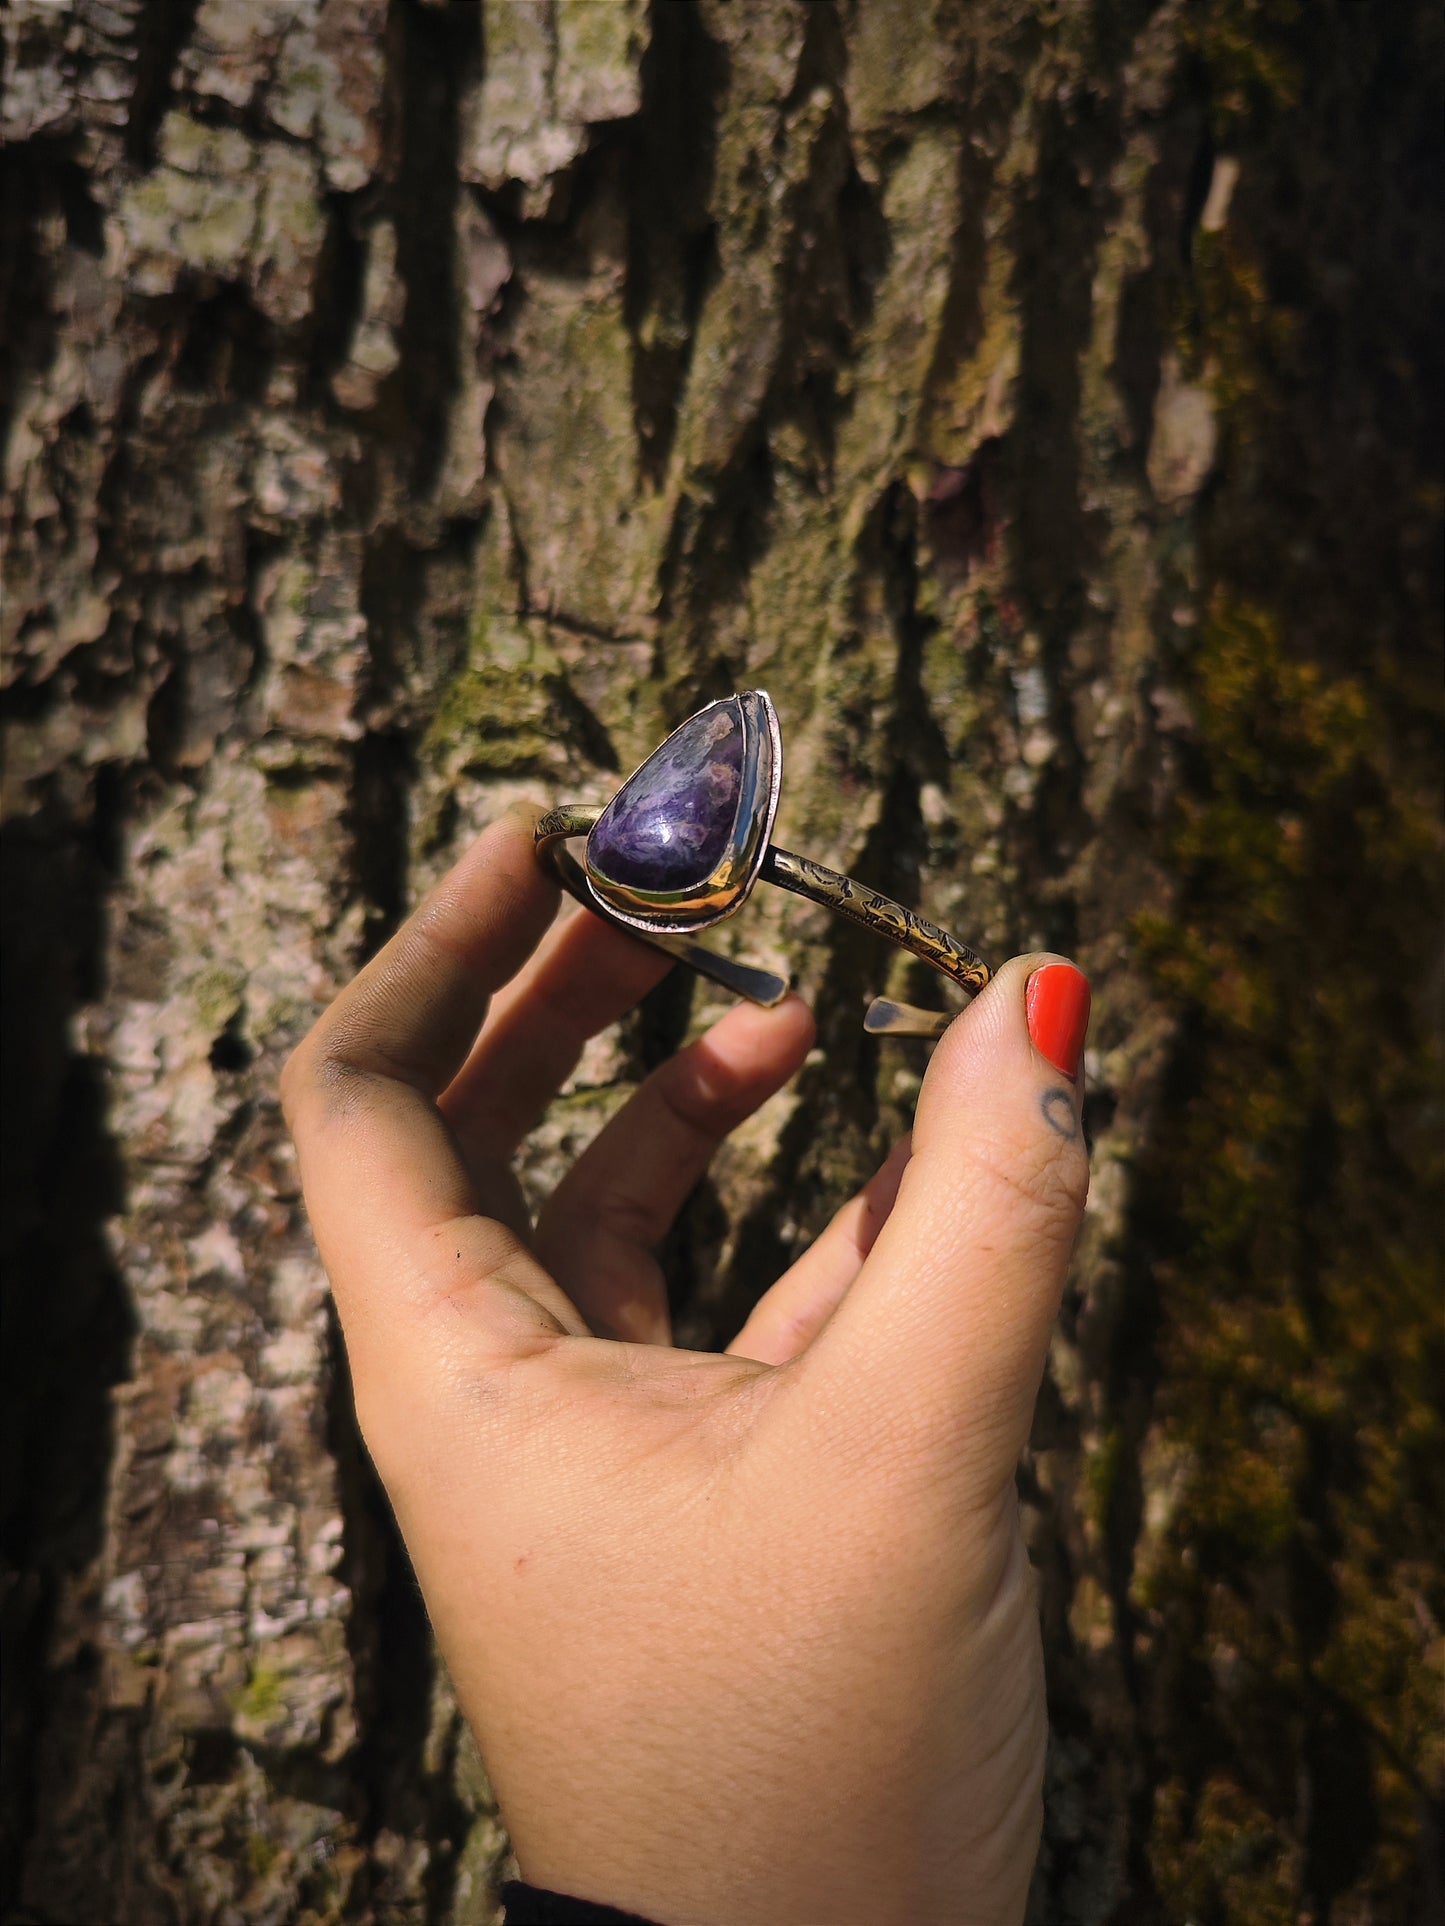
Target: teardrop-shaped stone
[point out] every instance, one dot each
(668, 826)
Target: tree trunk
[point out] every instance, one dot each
(414, 406)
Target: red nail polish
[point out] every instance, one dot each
(1056, 1002)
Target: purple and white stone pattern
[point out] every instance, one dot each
(668, 827)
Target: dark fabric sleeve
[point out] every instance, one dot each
(525, 1905)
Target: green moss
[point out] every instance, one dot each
(261, 1854)
(307, 77)
(599, 39)
(284, 1016)
(494, 720)
(1294, 1192)
(1254, 67)
(1101, 1473)
(192, 147)
(1223, 1857)
(150, 199)
(217, 994)
(261, 1701)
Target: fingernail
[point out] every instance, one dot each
(1056, 1003)
(523, 809)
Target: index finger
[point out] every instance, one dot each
(381, 1169)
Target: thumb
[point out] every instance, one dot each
(942, 1338)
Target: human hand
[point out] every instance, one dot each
(747, 1638)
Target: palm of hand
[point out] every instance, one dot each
(743, 1637)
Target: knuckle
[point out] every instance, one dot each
(603, 1221)
(704, 1095)
(690, 1097)
(629, 1219)
(338, 1085)
(316, 1070)
(1050, 1180)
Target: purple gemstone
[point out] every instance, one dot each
(668, 826)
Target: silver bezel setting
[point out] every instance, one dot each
(680, 912)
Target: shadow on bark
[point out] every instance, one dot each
(68, 1322)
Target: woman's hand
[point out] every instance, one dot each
(747, 1640)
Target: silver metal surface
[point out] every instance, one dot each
(669, 921)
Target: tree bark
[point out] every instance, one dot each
(412, 406)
